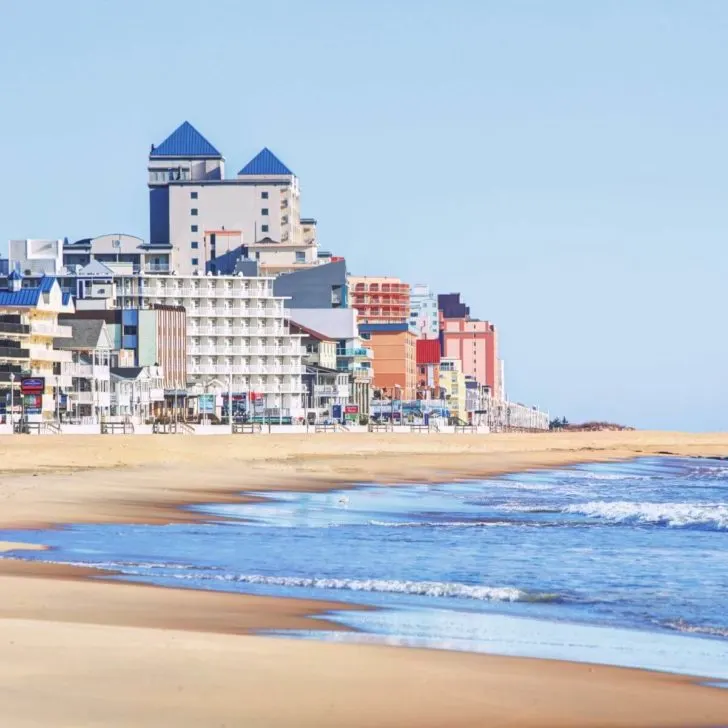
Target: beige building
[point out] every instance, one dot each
(452, 387)
(208, 220)
(28, 326)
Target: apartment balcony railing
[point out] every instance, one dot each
(11, 352)
(102, 399)
(156, 268)
(45, 328)
(17, 329)
(356, 352)
(78, 369)
(41, 353)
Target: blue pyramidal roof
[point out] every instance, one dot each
(265, 163)
(15, 275)
(185, 141)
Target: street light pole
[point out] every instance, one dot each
(12, 402)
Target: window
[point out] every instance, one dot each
(193, 228)
(193, 195)
(193, 211)
(264, 211)
(264, 195)
(264, 228)
(300, 256)
(195, 245)
(195, 261)
(130, 330)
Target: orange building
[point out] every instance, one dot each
(379, 300)
(395, 358)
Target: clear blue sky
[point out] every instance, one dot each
(562, 164)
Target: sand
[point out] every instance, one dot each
(78, 650)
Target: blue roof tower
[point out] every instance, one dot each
(265, 163)
(185, 142)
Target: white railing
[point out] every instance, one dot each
(41, 353)
(46, 328)
(75, 369)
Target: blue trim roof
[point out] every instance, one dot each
(185, 141)
(46, 283)
(23, 297)
(265, 163)
(16, 275)
(66, 298)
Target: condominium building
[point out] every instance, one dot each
(452, 387)
(28, 327)
(394, 360)
(380, 300)
(424, 319)
(208, 221)
(472, 341)
(353, 357)
(237, 334)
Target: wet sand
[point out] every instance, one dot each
(76, 650)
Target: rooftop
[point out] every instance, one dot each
(185, 142)
(265, 163)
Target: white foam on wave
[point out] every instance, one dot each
(677, 515)
(680, 626)
(389, 586)
(440, 524)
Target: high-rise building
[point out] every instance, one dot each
(424, 319)
(394, 358)
(380, 299)
(210, 221)
(472, 341)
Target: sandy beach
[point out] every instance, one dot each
(78, 650)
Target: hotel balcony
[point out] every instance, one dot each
(41, 353)
(357, 352)
(14, 327)
(47, 328)
(12, 352)
(100, 399)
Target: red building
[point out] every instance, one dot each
(380, 300)
(428, 369)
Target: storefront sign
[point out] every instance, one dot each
(32, 385)
(33, 404)
(351, 409)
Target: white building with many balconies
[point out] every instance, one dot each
(238, 338)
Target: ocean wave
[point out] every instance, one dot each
(678, 515)
(391, 586)
(681, 626)
(440, 524)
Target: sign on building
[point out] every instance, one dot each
(32, 385)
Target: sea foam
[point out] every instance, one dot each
(392, 586)
(678, 515)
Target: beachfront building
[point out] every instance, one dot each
(472, 341)
(452, 387)
(428, 368)
(394, 358)
(137, 392)
(115, 248)
(237, 335)
(324, 385)
(88, 397)
(353, 358)
(209, 221)
(28, 327)
(322, 286)
(379, 300)
(424, 318)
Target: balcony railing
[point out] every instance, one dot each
(41, 353)
(14, 328)
(11, 352)
(357, 352)
(47, 328)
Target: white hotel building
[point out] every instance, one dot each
(236, 328)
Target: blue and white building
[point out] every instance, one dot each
(208, 221)
(423, 319)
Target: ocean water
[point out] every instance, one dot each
(619, 563)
